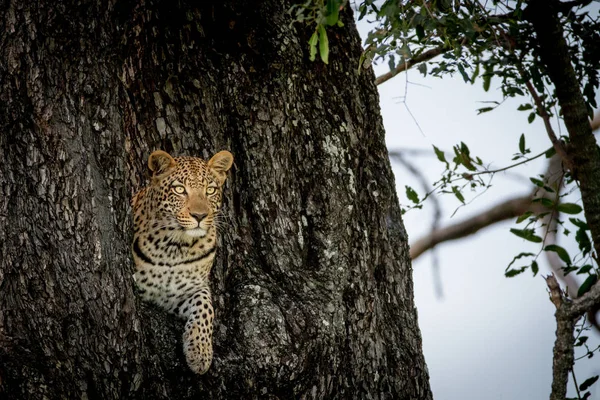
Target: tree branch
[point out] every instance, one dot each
(425, 56)
(567, 314)
(558, 144)
(511, 208)
(563, 357)
(505, 168)
(554, 52)
(508, 209)
(589, 301)
(432, 53)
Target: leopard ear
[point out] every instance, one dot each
(160, 163)
(220, 163)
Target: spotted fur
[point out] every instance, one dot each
(174, 243)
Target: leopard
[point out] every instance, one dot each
(176, 217)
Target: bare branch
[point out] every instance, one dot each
(508, 209)
(558, 144)
(425, 56)
(589, 301)
(505, 168)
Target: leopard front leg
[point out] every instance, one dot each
(197, 336)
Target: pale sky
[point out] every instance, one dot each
(488, 337)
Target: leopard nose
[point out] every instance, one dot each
(199, 216)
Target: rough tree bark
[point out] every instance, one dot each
(313, 287)
(583, 157)
(584, 152)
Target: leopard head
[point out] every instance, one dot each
(184, 194)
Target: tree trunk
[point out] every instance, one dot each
(554, 53)
(312, 285)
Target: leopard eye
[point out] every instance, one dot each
(179, 189)
(210, 190)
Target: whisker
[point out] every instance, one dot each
(220, 213)
(220, 226)
(221, 220)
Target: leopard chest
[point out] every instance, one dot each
(167, 270)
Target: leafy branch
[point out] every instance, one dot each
(321, 14)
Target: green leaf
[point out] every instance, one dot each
(412, 195)
(514, 272)
(537, 78)
(522, 143)
(391, 62)
(569, 208)
(531, 117)
(579, 223)
(463, 156)
(484, 110)
(537, 182)
(524, 107)
(587, 284)
(585, 269)
(458, 194)
(550, 152)
(546, 202)
(581, 341)
(323, 45)
(523, 217)
(513, 90)
(420, 32)
(462, 71)
(313, 46)
(534, 268)
(527, 234)
(568, 269)
(588, 382)
(465, 149)
(440, 156)
(363, 11)
(561, 252)
(422, 67)
(487, 79)
(518, 256)
(583, 241)
(332, 12)
(487, 76)
(475, 73)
